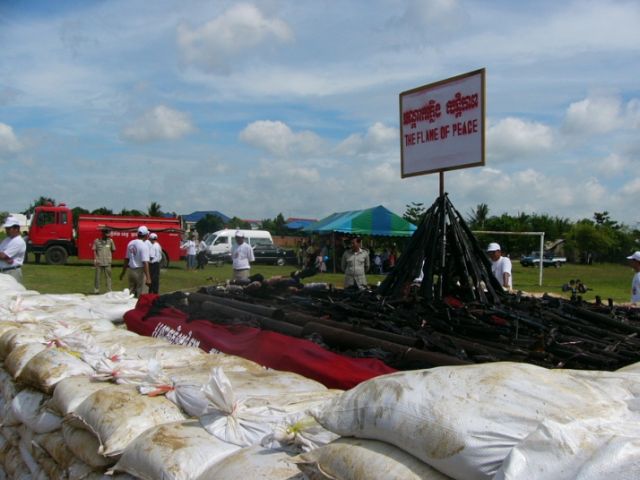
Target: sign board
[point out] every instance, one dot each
(442, 125)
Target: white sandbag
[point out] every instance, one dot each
(8, 387)
(255, 463)
(353, 459)
(10, 285)
(48, 465)
(167, 356)
(25, 448)
(112, 306)
(104, 476)
(18, 336)
(84, 445)
(234, 420)
(125, 339)
(5, 326)
(118, 415)
(20, 356)
(632, 368)
(50, 366)
(54, 445)
(465, 420)
(586, 449)
(15, 467)
(29, 407)
(72, 391)
(297, 434)
(7, 417)
(173, 451)
(11, 434)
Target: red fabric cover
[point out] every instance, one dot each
(271, 349)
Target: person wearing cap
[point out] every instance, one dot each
(634, 261)
(136, 262)
(500, 266)
(103, 248)
(355, 263)
(155, 257)
(242, 256)
(12, 249)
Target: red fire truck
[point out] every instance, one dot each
(52, 234)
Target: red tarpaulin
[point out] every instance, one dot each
(269, 349)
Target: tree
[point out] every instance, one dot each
(207, 224)
(414, 213)
(236, 222)
(76, 212)
(131, 213)
(102, 211)
(478, 217)
(155, 210)
(37, 203)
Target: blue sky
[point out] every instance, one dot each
(256, 108)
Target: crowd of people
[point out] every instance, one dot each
(144, 255)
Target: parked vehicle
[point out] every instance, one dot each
(222, 241)
(52, 234)
(272, 254)
(548, 260)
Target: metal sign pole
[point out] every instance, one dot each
(441, 182)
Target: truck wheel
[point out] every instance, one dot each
(56, 255)
(280, 262)
(164, 263)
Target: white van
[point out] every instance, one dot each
(222, 241)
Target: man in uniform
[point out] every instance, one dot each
(12, 249)
(136, 261)
(355, 263)
(103, 249)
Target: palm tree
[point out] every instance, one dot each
(155, 210)
(478, 217)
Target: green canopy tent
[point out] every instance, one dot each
(375, 221)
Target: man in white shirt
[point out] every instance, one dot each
(137, 263)
(155, 257)
(242, 256)
(12, 249)
(634, 261)
(500, 266)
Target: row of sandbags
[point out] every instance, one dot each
(498, 421)
(81, 398)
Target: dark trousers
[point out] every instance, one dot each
(154, 271)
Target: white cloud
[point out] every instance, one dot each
(159, 123)
(378, 138)
(9, 142)
(278, 139)
(219, 43)
(593, 115)
(513, 137)
(612, 165)
(631, 188)
(632, 113)
(432, 14)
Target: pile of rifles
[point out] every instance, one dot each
(457, 315)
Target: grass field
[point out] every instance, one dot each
(606, 280)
